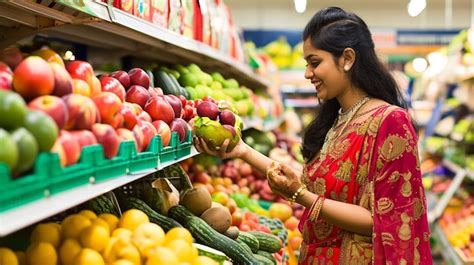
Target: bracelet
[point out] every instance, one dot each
(316, 209)
(300, 191)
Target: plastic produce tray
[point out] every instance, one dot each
(168, 153)
(184, 148)
(108, 168)
(147, 159)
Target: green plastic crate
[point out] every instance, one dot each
(184, 148)
(147, 159)
(168, 153)
(25, 189)
(108, 168)
(65, 178)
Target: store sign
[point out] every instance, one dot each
(428, 37)
(384, 38)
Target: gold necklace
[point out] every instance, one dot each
(344, 120)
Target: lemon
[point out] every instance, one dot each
(68, 250)
(21, 256)
(118, 249)
(88, 256)
(147, 236)
(132, 218)
(122, 233)
(203, 260)
(182, 249)
(123, 262)
(73, 225)
(41, 253)
(94, 237)
(46, 233)
(179, 233)
(110, 219)
(88, 213)
(102, 223)
(162, 255)
(8, 257)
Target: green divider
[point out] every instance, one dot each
(184, 148)
(147, 159)
(25, 189)
(108, 168)
(168, 153)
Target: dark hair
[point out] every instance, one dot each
(332, 29)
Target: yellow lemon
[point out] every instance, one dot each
(73, 225)
(8, 257)
(182, 249)
(101, 222)
(203, 260)
(95, 237)
(88, 256)
(122, 233)
(162, 255)
(123, 262)
(110, 219)
(88, 213)
(119, 249)
(132, 218)
(41, 253)
(46, 233)
(179, 233)
(147, 236)
(21, 256)
(68, 250)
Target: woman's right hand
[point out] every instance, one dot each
(239, 150)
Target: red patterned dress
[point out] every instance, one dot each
(373, 164)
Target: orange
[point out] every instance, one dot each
(95, 237)
(73, 225)
(8, 257)
(47, 232)
(68, 250)
(179, 233)
(133, 218)
(88, 256)
(41, 253)
(281, 211)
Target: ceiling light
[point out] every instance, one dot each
(300, 6)
(415, 7)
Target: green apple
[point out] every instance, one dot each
(8, 151)
(27, 149)
(12, 110)
(43, 128)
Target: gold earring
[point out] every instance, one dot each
(347, 68)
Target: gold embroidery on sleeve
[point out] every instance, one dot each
(384, 205)
(344, 171)
(417, 208)
(404, 232)
(416, 254)
(394, 177)
(387, 239)
(329, 253)
(362, 173)
(406, 187)
(320, 186)
(393, 147)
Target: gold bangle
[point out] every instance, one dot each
(314, 214)
(297, 193)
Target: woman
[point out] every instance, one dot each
(361, 185)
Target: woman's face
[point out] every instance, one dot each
(325, 73)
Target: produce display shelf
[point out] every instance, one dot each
(301, 103)
(447, 250)
(20, 217)
(456, 168)
(261, 125)
(97, 24)
(288, 89)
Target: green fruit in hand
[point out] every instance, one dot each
(215, 133)
(12, 110)
(8, 150)
(43, 128)
(27, 149)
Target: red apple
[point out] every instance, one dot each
(184, 101)
(84, 137)
(82, 112)
(49, 56)
(163, 130)
(130, 119)
(58, 148)
(227, 117)
(189, 112)
(138, 94)
(33, 77)
(155, 91)
(71, 147)
(175, 103)
(139, 137)
(139, 77)
(6, 77)
(108, 105)
(126, 135)
(62, 80)
(148, 132)
(160, 109)
(53, 106)
(108, 138)
(110, 84)
(180, 126)
(96, 87)
(81, 87)
(12, 56)
(144, 116)
(122, 77)
(208, 109)
(81, 70)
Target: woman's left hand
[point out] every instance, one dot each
(283, 180)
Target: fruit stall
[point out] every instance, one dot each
(99, 102)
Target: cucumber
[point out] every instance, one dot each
(267, 255)
(163, 81)
(165, 222)
(263, 260)
(102, 204)
(180, 213)
(267, 242)
(247, 248)
(250, 240)
(177, 87)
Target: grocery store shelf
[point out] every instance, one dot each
(18, 218)
(456, 168)
(301, 103)
(288, 89)
(447, 251)
(93, 23)
(261, 125)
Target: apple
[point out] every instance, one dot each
(139, 77)
(227, 117)
(71, 147)
(163, 130)
(12, 56)
(122, 77)
(231, 129)
(126, 135)
(9, 153)
(27, 149)
(148, 131)
(180, 126)
(110, 84)
(144, 116)
(82, 112)
(184, 101)
(6, 76)
(138, 94)
(117, 121)
(189, 112)
(49, 56)
(139, 137)
(81, 70)
(62, 80)
(108, 138)
(84, 137)
(175, 103)
(208, 109)
(130, 119)
(155, 91)
(33, 77)
(108, 105)
(12, 110)
(96, 87)
(53, 106)
(160, 109)
(58, 149)
(81, 87)
(43, 128)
